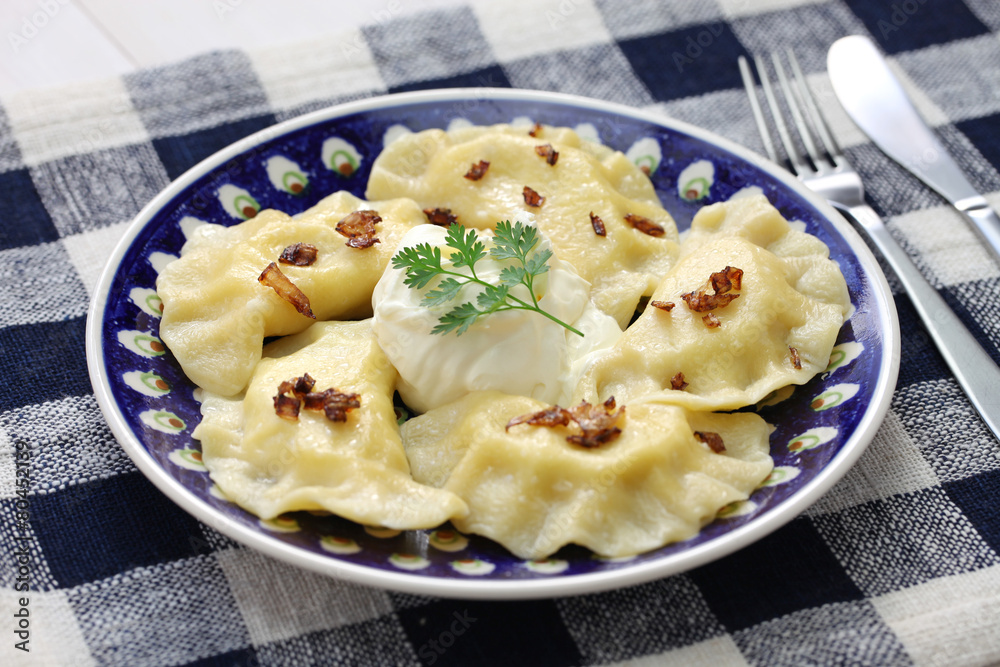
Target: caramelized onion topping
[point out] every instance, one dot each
(442, 217)
(598, 423)
(532, 198)
(359, 228)
(722, 283)
(287, 407)
(273, 277)
(477, 171)
(644, 225)
(534, 131)
(677, 382)
(711, 321)
(298, 254)
(298, 392)
(665, 306)
(598, 225)
(712, 439)
(793, 354)
(550, 154)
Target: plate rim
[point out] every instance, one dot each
(513, 589)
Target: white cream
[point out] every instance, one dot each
(517, 352)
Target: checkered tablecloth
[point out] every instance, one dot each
(899, 564)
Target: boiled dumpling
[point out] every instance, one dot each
(430, 167)
(533, 492)
(778, 331)
(215, 312)
(356, 469)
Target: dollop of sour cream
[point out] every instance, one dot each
(516, 351)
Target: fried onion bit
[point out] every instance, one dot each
(665, 306)
(298, 254)
(677, 382)
(550, 154)
(298, 392)
(287, 407)
(551, 417)
(793, 354)
(442, 217)
(477, 171)
(532, 198)
(722, 284)
(337, 404)
(534, 131)
(598, 423)
(359, 228)
(711, 321)
(273, 277)
(644, 225)
(598, 225)
(712, 439)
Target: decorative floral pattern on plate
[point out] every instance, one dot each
(780, 475)
(812, 438)
(147, 301)
(158, 260)
(339, 545)
(162, 420)
(739, 508)
(547, 565)
(645, 154)
(147, 383)
(284, 523)
(341, 157)
(238, 202)
(447, 540)
(776, 396)
(473, 566)
(696, 181)
(286, 175)
(843, 354)
(381, 533)
(409, 561)
(188, 458)
(834, 396)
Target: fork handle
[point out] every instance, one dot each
(975, 371)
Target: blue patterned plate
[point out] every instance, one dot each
(821, 428)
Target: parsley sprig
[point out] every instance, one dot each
(516, 242)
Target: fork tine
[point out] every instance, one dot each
(758, 114)
(799, 165)
(812, 109)
(794, 107)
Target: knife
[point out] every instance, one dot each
(874, 99)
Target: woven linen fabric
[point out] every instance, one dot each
(899, 564)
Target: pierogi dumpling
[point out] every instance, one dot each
(778, 331)
(534, 492)
(215, 312)
(430, 167)
(356, 469)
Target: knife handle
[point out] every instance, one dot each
(984, 220)
(975, 371)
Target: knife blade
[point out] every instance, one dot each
(876, 102)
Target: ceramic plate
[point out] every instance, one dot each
(821, 428)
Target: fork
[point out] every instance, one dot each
(824, 170)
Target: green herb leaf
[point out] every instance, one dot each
(516, 242)
(445, 291)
